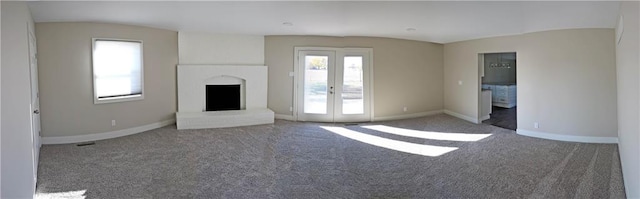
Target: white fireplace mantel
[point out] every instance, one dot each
(191, 97)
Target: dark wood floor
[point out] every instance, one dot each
(503, 117)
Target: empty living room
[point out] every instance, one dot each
(320, 99)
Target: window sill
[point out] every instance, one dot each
(118, 99)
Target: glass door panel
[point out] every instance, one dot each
(315, 87)
(353, 85)
(316, 83)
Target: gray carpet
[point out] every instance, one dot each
(302, 160)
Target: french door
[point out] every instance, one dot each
(333, 84)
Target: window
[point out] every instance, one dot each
(117, 70)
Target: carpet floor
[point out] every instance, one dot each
(430, 157)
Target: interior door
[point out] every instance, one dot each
(35, 99)
(333, 84)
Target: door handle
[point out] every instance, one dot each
(36, 111)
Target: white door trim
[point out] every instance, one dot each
(365, 53)
(339, 51)
(331, 68)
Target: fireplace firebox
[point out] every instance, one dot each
(222, 97)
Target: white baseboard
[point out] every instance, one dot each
(461, 116)
(486, 117)
(568, 138)
(383, 118)
(284, 117)
(407, 116)
(105, 135)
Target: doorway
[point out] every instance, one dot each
(498, 90)
(333, 84)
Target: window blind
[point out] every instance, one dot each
(117, 68)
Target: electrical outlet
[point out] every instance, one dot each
(459, 82)
(291, 74)
(535, 125)
(113, 122)
(404, 109)
(290, 109)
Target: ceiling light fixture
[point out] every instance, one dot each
(287, 24)
(411, 29)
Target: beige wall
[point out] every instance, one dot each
(563, 76)
(628, 71)
(406, 73)
(567, 82)
(66, 79)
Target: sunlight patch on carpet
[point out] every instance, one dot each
(462, 137)
(407, 147)
(79, 194)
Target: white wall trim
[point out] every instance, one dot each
(407, 116)
(285, 117)
(105, 135)
(568, 138)
(486, 117)
(461, 116)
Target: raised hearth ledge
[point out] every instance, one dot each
(222, 119)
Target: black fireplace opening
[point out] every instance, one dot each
(222, 97)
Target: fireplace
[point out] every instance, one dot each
(222, 97)
(218, 96)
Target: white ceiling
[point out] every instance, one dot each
(440, 22)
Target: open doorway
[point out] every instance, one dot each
(498, 101)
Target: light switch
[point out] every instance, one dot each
(290, 74)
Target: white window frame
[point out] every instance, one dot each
(96, 100)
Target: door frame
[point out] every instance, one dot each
(332, 66)
(481, 74)
(339, 51)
